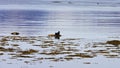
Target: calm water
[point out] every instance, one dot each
(77, 19)
(81, 24)
(73, 23)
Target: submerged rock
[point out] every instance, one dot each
(86, 63)
(56, 1)
(1, 53)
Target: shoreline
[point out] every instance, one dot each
(27, 50)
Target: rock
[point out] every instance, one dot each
(15, 33)
(113, 42)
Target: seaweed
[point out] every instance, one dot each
(29, 51)
(113, 42)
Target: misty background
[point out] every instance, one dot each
(73, 2)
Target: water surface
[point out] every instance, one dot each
(81, 24)
(77, 21)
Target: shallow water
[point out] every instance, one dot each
(41, 51)
(75, 24)
(85, 27)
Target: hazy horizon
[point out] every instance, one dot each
(33, 2)
(66, 4)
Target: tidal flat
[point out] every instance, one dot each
(43, 51)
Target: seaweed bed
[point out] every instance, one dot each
(37, 48)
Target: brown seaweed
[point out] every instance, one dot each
(113, 42)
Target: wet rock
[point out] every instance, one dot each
(10, 49)
(15, 33)
(112, 56)
(29, 51)
(72, 49)
(56, 59)
(24, 56)
(40, 58)
(68, 58)
(113, 42)
(53, 52)
(42, 46)
(48, 41)
(71, 39)
(116, 51)
(25, 38)
(16, 38)
(2, 49)
(82, 55)
(7, 49)
(1, 53)
(14, 44)
(3, 40)
(103, 51)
